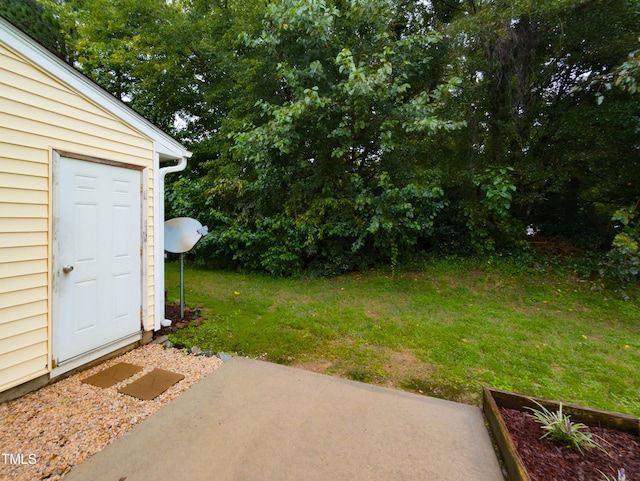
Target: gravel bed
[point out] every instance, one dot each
(51, 430)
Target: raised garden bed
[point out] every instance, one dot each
(526, 457)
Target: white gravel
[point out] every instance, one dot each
(46, 433)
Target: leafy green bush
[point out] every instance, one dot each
(491, 222)
(622, 263)
(392, 219)
(377, 224)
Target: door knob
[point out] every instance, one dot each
(67, 269)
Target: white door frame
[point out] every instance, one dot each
(56, 266)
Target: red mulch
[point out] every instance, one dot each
(172, 312)
(547, 460)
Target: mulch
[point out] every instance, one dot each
(172, 312)
(546, 460)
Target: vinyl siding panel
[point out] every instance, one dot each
(16, 328)
(66, 105)
(22, 365)
(83, 135)
(14, 255)
(35, 366)
(26, 268)
(24, 311)
(23, 210)
(35, 169)
(18, 239)
(39, 114)
(21, 153)
(23, 182)
(20, 283)
(23, 339)
(20, 354)
(24, 296)
(16, 224)
(16, 196)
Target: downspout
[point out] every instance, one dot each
(160, 320)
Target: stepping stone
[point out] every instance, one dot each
(112, 375)
(151, 384)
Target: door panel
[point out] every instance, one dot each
(97, 256)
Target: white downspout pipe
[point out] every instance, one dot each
(160, 320)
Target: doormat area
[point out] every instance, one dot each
(112, 375)
(152, 384)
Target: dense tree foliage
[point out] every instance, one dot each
(331, 135)
(530, 106)
(37, 21)
(322, 180)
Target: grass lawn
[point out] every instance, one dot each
(445, 331)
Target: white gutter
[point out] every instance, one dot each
(158, 230)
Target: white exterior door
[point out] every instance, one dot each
(96, 256)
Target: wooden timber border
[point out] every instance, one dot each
(494, 398)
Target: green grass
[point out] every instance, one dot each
(445, 331)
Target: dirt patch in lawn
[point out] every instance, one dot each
(372, 364)
(393, 369)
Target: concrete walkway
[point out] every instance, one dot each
(252, 420)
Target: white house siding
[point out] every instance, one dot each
(40, 114)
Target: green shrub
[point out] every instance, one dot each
(622, 263)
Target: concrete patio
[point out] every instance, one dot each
(252, 420)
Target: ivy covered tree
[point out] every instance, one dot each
(530, 105)
(623, 260)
